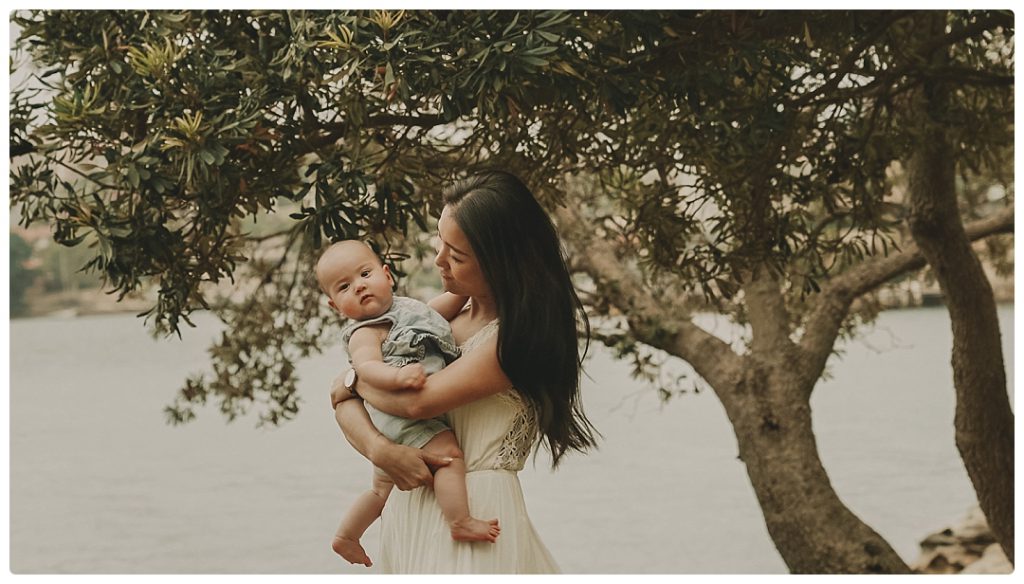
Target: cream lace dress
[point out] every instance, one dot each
(496, 435)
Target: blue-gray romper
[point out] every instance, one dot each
(418, 334)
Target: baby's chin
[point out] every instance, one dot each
(374, 314)
(376, 308)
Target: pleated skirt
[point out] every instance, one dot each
(415, 538)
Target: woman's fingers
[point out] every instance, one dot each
(407, 467)
(338, 390)
(433, 460)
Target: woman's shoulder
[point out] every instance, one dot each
(471, 334)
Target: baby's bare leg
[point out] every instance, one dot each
(360, 516)
(450, 490)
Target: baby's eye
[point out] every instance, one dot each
(343, 287)
(365, 273)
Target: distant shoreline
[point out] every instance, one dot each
(87, 302)
(94, 301)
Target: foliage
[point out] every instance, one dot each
(62, 268)
(710, 143)
(21, 277)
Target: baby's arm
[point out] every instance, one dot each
(474, 375)
(448, 305)
(368, 361)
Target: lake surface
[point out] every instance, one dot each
(100, 484)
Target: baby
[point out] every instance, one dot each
(394, 343)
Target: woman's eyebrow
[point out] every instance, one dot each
(455, 249)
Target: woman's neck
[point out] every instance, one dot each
(483, 308)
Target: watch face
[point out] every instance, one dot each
(350, 379)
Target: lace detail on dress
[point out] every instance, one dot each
(479, 336)
(516, 445)
(515, 448)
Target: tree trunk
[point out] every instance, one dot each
(768, 407)
(983, 419)
(811, 527)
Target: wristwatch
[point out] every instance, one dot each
(350, 381)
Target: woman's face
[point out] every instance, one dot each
(460, 272)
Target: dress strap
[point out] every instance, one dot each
(480, 336)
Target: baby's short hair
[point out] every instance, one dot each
(336, 246)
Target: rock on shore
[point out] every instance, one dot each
(967, 547)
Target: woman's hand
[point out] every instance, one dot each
(408, 467)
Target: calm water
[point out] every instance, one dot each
(99, 483)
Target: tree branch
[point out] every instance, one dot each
(827, 314)
(419, 121)
(83, 175)
(262, 238)
(966, 76)
(334, 131)
(870, 275)
(21, 147)
(651, 321)
(850, 59)
(995, 19)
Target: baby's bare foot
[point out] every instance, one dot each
(470, 529)
(350, 550)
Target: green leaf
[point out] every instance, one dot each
(537, 61)
(133, 176)
(540, 51)
(548, 36)
(515, 19)
(220, 153)
(207, 156)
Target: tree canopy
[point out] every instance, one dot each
(747, 163)
(708, 141)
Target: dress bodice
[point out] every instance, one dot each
(498, 431)
(496, 434)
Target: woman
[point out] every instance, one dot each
(517, 380)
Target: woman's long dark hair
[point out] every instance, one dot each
(519, 254)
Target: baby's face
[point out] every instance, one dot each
(358, 286)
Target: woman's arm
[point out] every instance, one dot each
(407, 467)
(471, 377)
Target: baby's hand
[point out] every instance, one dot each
(412, 376)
